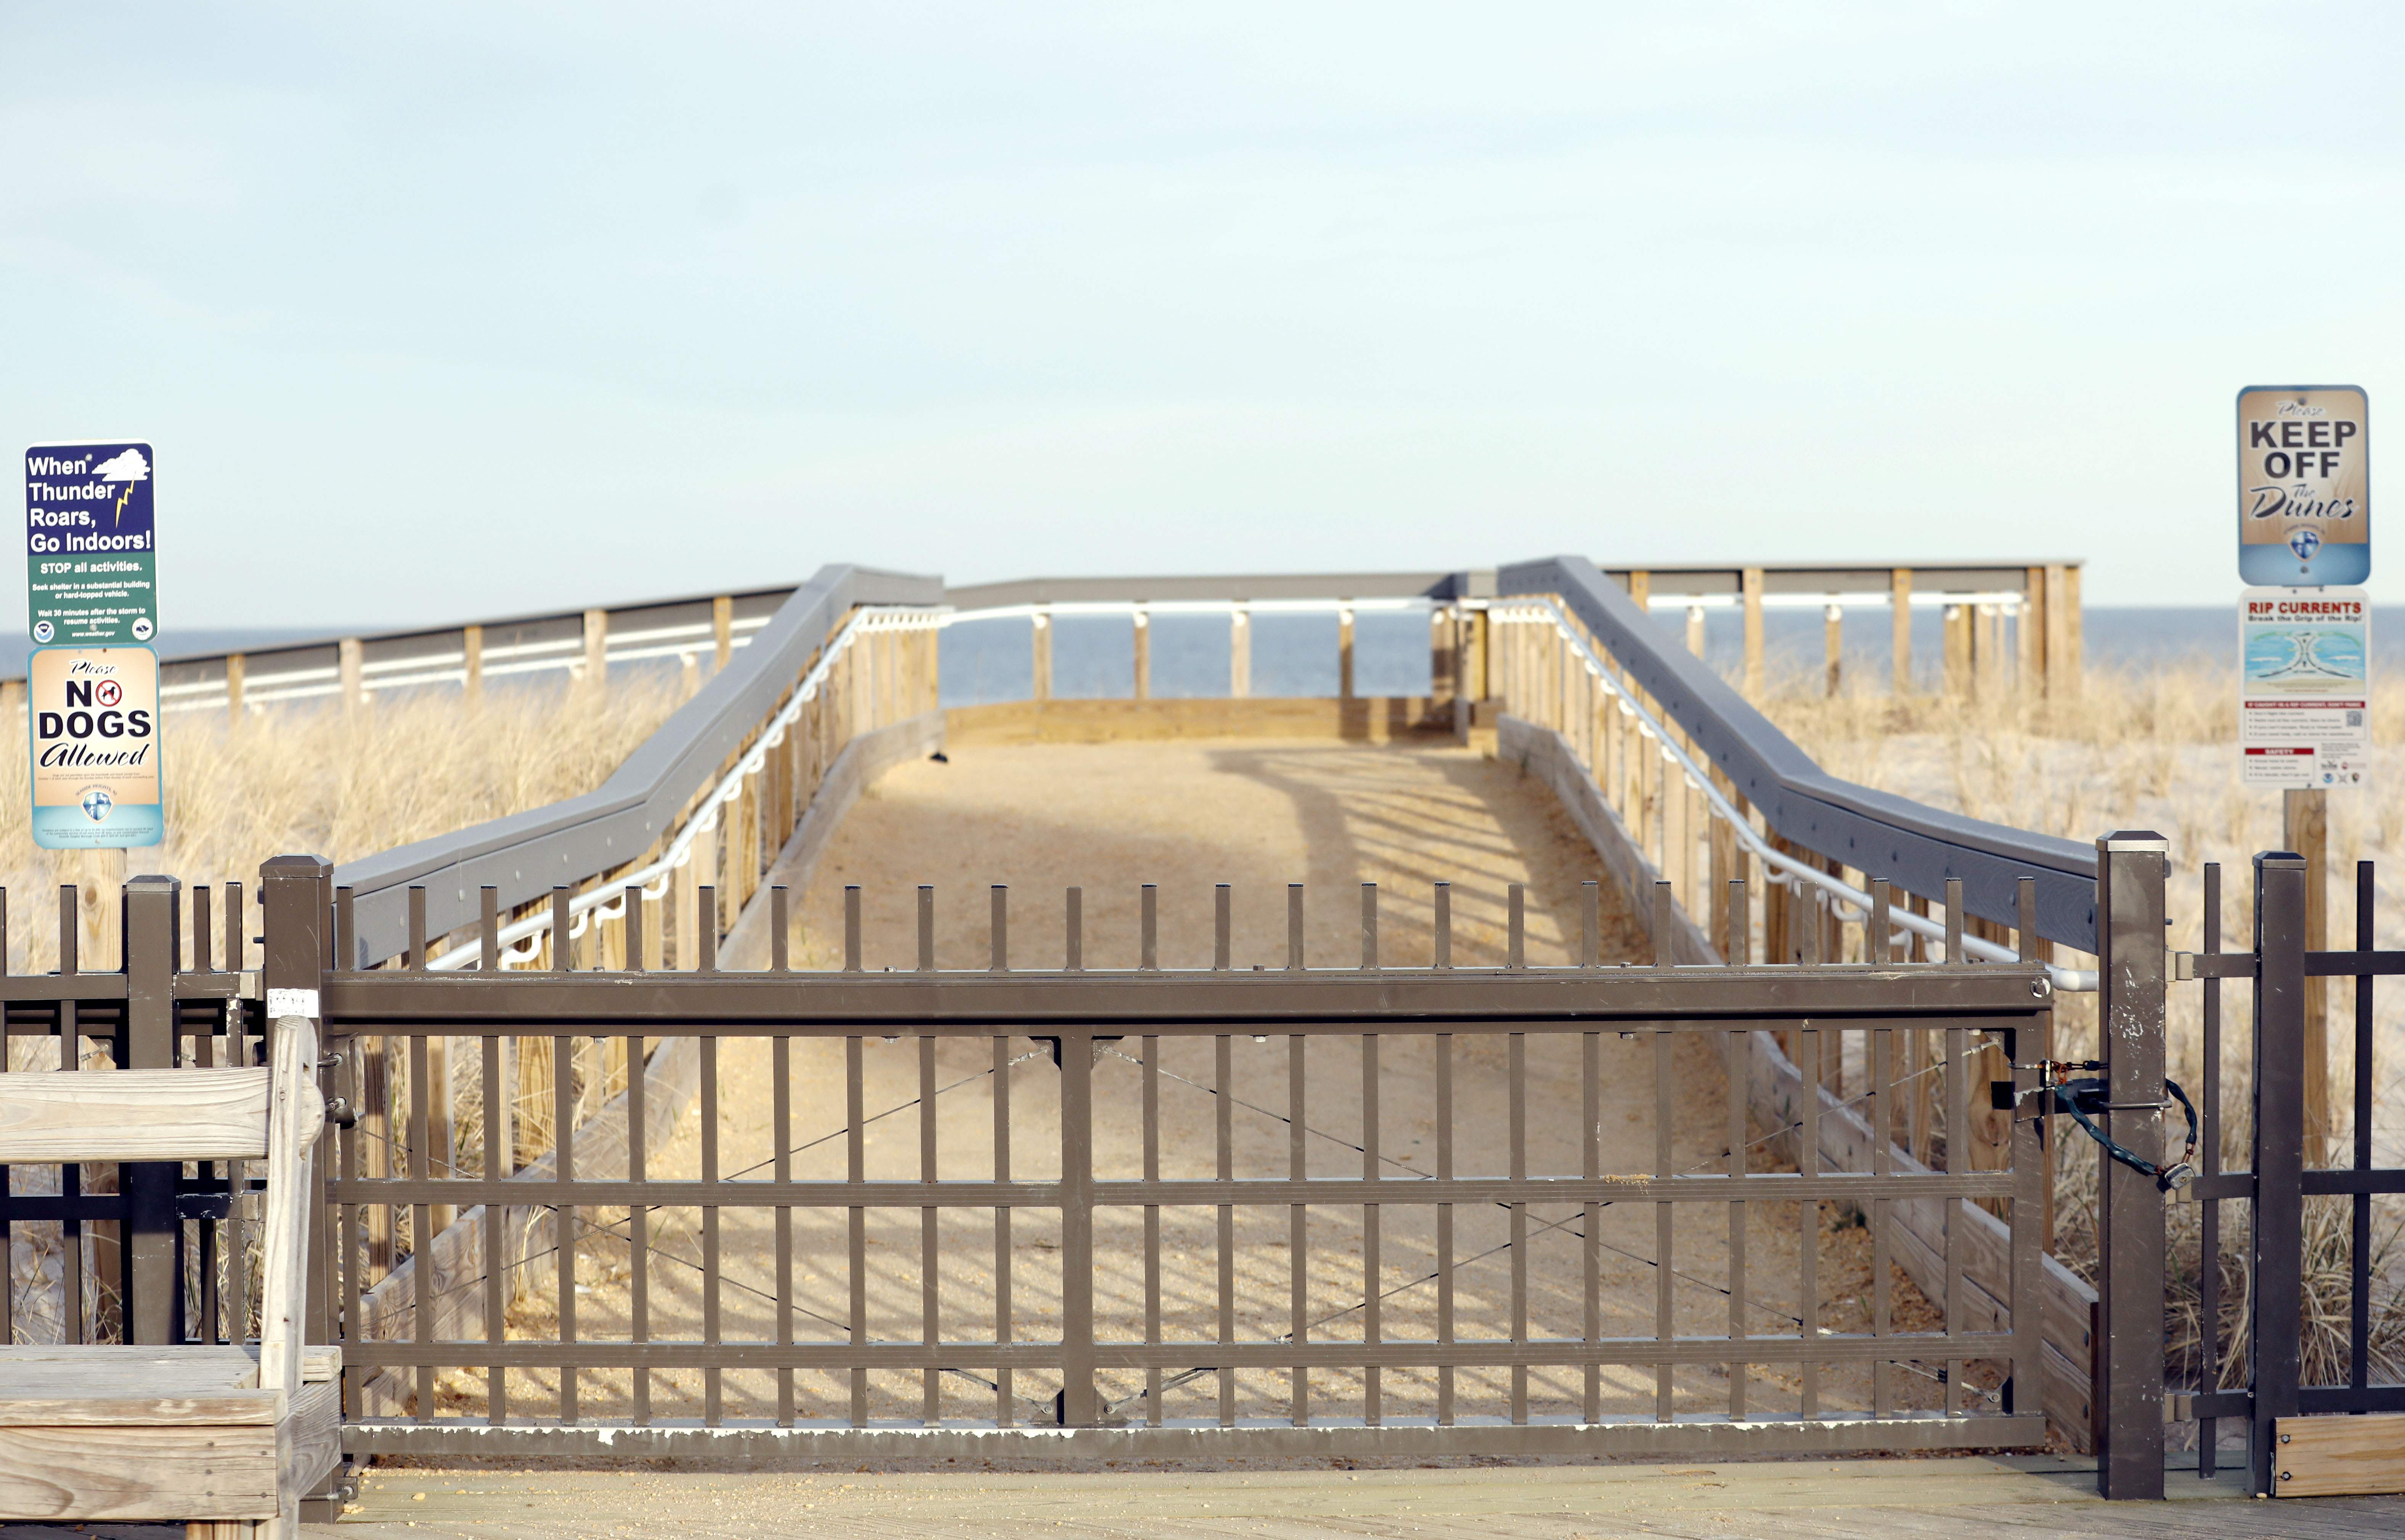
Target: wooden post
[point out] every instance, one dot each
(596, 648)
(2030, 623)
(1695, 629)
(722, 628)
(1900, 624)
(1240, 654)
(471, 648)
(442, 1143)
(2305, 820)
(1640, 589)
(1958, 651)
(1751, 581)
(1444, 655)
(1987, 652)
(2058, 635)
(1344, 653)
(1832, 627)
(99, 879)
(1143, 655)
(702, 874)
(2073, 662)
(233, 690)
(1040, 646)
(352, 656)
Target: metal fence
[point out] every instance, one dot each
(2292, 1165)
(1188, 1285)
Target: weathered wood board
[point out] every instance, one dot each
(2338, 1456)
(132, 1114)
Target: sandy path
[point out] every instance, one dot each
(1185, 815)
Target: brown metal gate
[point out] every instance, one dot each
(1203, 1297)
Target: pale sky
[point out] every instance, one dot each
(434, 310)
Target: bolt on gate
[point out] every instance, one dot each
(1196, 1155)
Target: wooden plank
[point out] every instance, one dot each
(147, 1386)
(2338, 1456)
(299, 1114)
(309, 1442)
(168, 1473)
(132, 1114)
(1370, 719)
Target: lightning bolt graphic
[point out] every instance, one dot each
(119, 520)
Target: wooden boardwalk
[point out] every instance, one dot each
(1854, 1500)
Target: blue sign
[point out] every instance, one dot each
(91, 550)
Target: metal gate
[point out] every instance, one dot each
(1203, 1153)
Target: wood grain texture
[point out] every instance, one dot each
(161, 1386)
(162, 1473)
(96, 1386)
(309, 1441)
(296, 1115)
(132, 1114)
(2338, 1456)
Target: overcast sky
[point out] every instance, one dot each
(435, 310)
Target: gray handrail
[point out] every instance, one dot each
(527, 854)
(1915, 847)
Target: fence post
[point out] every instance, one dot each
(2131, 872)
(150, 1187)
(295, 891)
(2278, 1229)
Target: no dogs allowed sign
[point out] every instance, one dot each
(92, 713)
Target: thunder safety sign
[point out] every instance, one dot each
(91, 564)
(92, 713)
(2305, 703)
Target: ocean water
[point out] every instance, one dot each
(1093, 656)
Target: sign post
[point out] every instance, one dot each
(91, 556)
(2304, 648)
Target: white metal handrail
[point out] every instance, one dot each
(521, 939)
(1852, 902)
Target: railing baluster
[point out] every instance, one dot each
(1516, 1089)
(1591, 1238)
(1150, 1112)
(1372, 1267)
(1223, 1137)
(563, 1146)
(855, 1157)
(931, 1410)
(499, 1162)
(1001, 1307)
(781, 1170)
(712, 1386)
(1298, 1269)
(1665, 1115)
(1736, 1055)
(1810, 1045)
